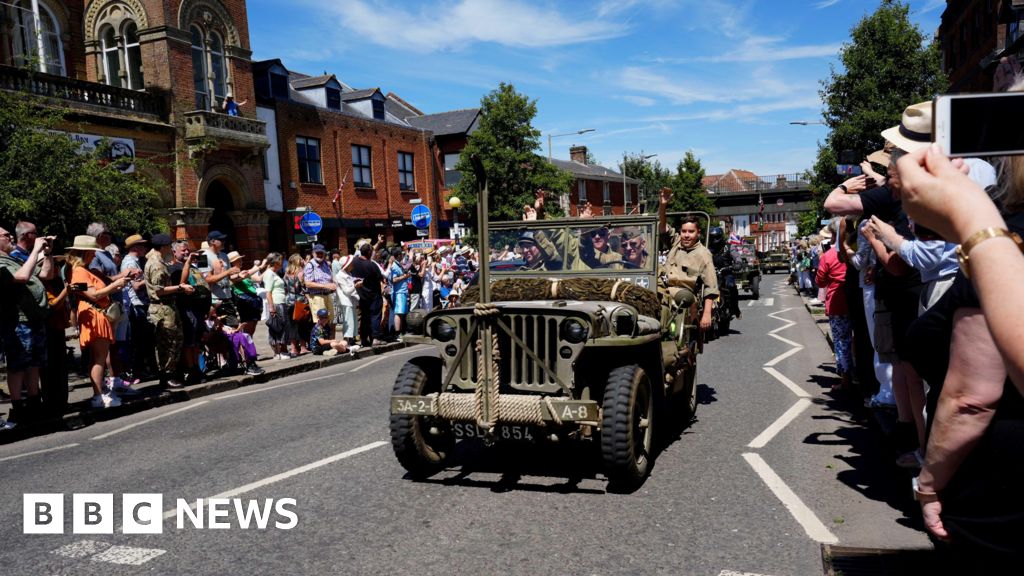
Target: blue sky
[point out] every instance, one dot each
(720, 77)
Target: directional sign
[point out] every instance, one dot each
(421, 216)
(311, 223)
(422, 233)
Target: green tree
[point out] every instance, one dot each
(688, 187)
(46, 178)
(888, 64)
(652, 176)
(506, 142)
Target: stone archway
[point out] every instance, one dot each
(219, 198)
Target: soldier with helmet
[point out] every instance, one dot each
(723, 260)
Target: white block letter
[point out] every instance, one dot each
(92, 513)
(141, 513)
(43, 513)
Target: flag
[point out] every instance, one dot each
(337, 195)
(760, 207)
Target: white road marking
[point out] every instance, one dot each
(788, 416)
(769, 301)
(789, 383)
(786, 340)
(800, 512)
(750, 303)
(66, 446)
(127, 555)
(784, 310)
(81, 549)
(783, 356)
(788, 324)
(370, 363)
(303, 381)
(288, 474)
(735, 573)
(189, 406)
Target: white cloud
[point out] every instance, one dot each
(638, 100)
(762, 84)
(933, 5)
(826, 4)
(768, 52)
(453, 26)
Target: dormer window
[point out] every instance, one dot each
(333, 98)
(378, 109)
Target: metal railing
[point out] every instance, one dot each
(761, 183)
(79, 91)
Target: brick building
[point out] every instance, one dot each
(982, 43)
(608, 191)
(738, 195)
(153, 74)
(384, 154)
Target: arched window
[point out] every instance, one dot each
(45, 51)
(199, 69)
(219, 72)
(111, 61)
(133, 56)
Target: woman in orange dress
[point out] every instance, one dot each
(95, 332)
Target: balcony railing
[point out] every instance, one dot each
(89, 94)
(225, 131)
(759, 184)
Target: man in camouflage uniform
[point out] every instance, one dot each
(687, 262)
(162, 311)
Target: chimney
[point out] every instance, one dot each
(578, 154)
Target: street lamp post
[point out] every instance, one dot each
(455, 203)
(806, 122)
(550, 136)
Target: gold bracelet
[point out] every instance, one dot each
(963, 250)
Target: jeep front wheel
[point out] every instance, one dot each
(626, 427)
(421, 450)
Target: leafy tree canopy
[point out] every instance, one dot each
(506, 142)
(887, 66)
(688, 187)
(46, 178)
(652, 176)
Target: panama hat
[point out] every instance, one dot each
(133, 240)
(914, 131)
(84, 242)
(234, 255)
(346, 260)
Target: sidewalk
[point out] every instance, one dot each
(80, 413)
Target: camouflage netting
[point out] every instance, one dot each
(588, 289)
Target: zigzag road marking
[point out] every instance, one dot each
(800, 512)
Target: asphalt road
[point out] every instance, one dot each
(772, 467)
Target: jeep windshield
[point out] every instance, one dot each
(600, 246)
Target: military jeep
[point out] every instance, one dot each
(575, 344)
(776, 261)
(747, 269)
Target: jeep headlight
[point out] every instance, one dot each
(573, 331)
(442, 330)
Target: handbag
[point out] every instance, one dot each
(114, 312)
(276, 323)
(301, 311)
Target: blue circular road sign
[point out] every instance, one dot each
(311, 223)
(421, 216)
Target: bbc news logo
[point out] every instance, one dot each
(143, 514)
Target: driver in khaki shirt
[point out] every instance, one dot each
(688, 260)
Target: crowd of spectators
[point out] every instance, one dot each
(162, 309)
(940, 338)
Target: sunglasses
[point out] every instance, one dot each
(633, 245)
(7, 235)
(596, 233)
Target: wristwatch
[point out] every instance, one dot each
(923, 497)
(843, 188)
(963, 251)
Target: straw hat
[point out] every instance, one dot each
(914, 131)
(234, 255)
(133, 240)
(881, 157)
(84, 242)
(204, 246)
(346, 261)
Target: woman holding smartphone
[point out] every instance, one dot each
(95, 331)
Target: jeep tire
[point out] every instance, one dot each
(755, 287)
(626, 429)
(419, 452)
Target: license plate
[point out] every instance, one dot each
(512, 432)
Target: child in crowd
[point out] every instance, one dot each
(322, 340)
(240, 343)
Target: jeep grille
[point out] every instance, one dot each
(518, 369)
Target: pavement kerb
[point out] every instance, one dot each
(80, 414)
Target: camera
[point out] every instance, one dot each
(78, 287)
(202, 261)
(979, 124)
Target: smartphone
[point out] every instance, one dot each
(979, 124)
(201, 261)
(79, 287)
(849, 169)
